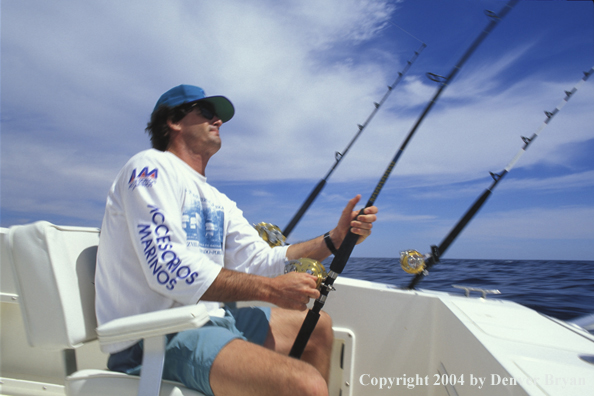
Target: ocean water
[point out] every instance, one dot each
(561, 289)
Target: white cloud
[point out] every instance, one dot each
(80, 78)
(98, 68)
(563, 223)
(559, 183)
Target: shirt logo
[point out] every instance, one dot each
(204, 222)
(145, 178)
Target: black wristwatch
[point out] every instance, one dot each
(329, 243)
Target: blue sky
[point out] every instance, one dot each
(79, 80)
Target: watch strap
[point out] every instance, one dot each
(329, 243)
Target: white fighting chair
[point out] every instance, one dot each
(54, 270)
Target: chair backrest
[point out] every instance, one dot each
(54, 270)
(7, 287)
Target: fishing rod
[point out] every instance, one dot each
(349, 242)
(413, 262)
(338, 156)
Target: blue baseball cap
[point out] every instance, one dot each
(189, 93)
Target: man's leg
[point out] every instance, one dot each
(244, 368)
(284, 326)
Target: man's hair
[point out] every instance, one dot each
(157, 127)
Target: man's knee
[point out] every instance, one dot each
(317, 387)
(311, 383)
(325, 320)
(324, 333)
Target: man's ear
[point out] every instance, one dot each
(173, 126)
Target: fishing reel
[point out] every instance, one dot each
(271, 234)
(412, 262)
(308, 266)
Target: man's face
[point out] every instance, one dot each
(199, 131)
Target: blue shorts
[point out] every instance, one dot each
(189, 354)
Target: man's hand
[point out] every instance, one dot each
(358, 224)
(293, 290)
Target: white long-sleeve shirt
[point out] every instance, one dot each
(166, 234)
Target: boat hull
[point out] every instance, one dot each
(387, 340)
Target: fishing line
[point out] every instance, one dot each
(348, 244)
(338, 156)
(413, 262)
(393, 24)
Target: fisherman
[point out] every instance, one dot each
(170, 239)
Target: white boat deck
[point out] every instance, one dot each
(389, 341)
(423, 334)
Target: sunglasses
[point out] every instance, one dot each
(205, 110)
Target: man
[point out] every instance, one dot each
(170, 239)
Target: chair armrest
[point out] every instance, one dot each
(152, 324)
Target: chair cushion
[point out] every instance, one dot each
(103, 382)
(54, 270)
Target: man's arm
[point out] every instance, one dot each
(293, 290)
(361, 225)
(290, 291)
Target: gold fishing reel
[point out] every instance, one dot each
(308, 266)
(271, 234)
(412, 261)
